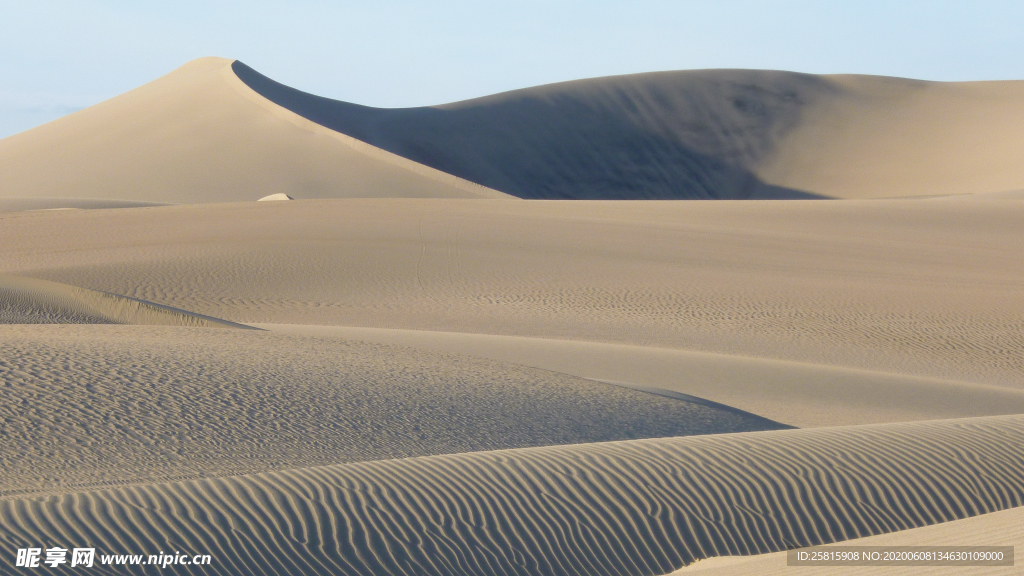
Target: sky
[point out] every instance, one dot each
(58, 56)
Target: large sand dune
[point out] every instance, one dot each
(705, 134)
(217, 130)
(809, 313)
(389, 375)
(199, 134)
(637, 508)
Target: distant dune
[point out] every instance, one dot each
(216, 130)
(705, 134)
(411, 369)
(199, 134)
(636, 508)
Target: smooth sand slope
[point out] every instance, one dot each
(216, 130)
(636, 508)
(923, 288)
(705, 134)
(199, 134)
(87, 406)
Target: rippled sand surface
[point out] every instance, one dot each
(86, 406)
(408, 370)
(636, 507)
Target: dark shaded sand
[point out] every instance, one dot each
(215, 130)
(704, 134)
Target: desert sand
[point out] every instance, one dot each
(693, 134)
(636, 507)
(235, 144)
(423, 359)
(929, 288)
(1006, 528)
(171, 403)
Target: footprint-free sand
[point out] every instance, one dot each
(430, 361)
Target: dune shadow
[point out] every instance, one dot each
(668, 136)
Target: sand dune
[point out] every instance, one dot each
(96, 405)
(923, 288)
(33, 301)
(216, 130)
(199, 134)
(445, 385)
(635, 508)
(705, 134)
(800, 394)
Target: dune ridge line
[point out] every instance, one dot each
(217, 141)
(687, 134)
(230, 74)
(636, 508)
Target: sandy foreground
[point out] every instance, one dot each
(448, 330)
(406, 371)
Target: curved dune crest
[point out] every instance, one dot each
(198, 134)
(167, 403)
(636, 508)
(729, 134)
(34, 301)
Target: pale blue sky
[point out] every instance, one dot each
(57, 56)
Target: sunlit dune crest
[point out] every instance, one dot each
(306, 336)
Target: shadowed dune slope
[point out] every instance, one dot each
(637, 508)
(199, 134)
(928, 288)
(95, 405)
(216, 130)
(704, 134)
(33, 301)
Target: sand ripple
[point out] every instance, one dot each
(854, 284)
(634, 508)
(34, 301)
(87, 406)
